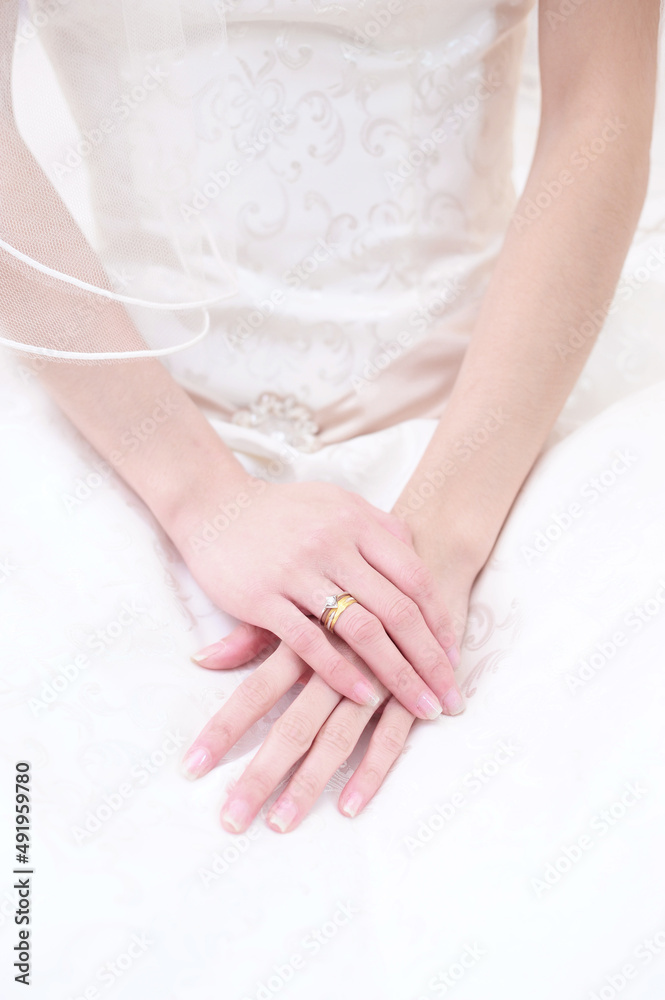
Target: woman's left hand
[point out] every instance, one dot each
(320, 729)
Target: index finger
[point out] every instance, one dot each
(257, 694)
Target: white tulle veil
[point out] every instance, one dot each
(116, 226)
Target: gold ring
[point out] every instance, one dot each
(333, 609)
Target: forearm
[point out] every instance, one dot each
(133, 412)
(150, 431)
(546, 302)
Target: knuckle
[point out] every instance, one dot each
(301, 637)
(445, 633)
(256, 692)
(334, 669)
(432, 659)
(402, 678)
(403, 614)
(390, 740)
(220, 731)
(417, 580)
(443, 624)
(372, 776)
(338, 736)
(363, 629)
(295, 730)
(305, 785)
(261, 784)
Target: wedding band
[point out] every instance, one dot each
(333, 608)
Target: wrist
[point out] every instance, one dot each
(189, 477)
(202, 505)
(446, 533)
(444, 544)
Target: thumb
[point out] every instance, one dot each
(238, 647)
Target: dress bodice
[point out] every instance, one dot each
(375, 147)
(369, 165)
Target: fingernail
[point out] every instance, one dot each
(236, 814)
(365, 694)
(428, 706)
(452, 702)
(195, 763)
(352, 804)
(207, 651)
(283, 814)
(453, 655)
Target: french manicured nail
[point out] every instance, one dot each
(236, 814)
(352, 804)
(428, 706)
(208, 651)
(365, 693)
(283, 814)
(454, 656)
(195, 763)
(452, 702)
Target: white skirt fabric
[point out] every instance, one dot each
(514, 851)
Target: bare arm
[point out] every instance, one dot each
(102, 400)
(555, 276)
(283, 549)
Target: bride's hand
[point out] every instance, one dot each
(319, 726)
(274, 554)
(320, 729)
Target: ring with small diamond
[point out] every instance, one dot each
(333, 608)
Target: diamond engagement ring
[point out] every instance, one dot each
(333, 608)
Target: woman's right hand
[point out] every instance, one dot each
(271, 554)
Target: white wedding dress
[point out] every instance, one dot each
(515, 851)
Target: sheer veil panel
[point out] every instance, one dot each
(116, 125)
